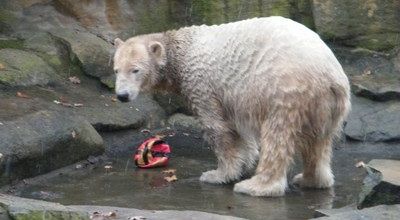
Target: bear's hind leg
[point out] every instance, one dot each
(317, 171)
(276, 154)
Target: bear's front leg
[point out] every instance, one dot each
(230, 161)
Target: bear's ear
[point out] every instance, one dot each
(157, 50)
(117, 42)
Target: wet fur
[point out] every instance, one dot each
(262, 88)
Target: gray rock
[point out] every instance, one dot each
(54, 50)
(375, 87)
(373, 121)
(126, 213)
(43, 141)
(20, 209)
(383, 212)
(382, 184)
(21, 68)
(94, 53)
(369, 24)
(182, 120)
(117, 116)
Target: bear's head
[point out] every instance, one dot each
(137, 63)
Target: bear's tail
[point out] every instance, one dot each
(341, 108)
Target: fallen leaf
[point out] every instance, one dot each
(108, 167)
(78, 104)
(22, 95)
(171, 178)
(74, 80)
(360, 164)
(73, 134)
(2, 67)
(57, 102)
(185, 134)
(170, 171)
(114, 99)
(137, 109)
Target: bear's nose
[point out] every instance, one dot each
(123, 97)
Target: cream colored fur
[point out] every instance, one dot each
(263, 88)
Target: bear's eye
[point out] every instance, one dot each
(115, 71)
(135, 71)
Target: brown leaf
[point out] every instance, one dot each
(171, 178)
(2, 67)
(169, 172)
(114, 99)
(74, 80)
(22, 95)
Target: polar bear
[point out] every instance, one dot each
(262, 88)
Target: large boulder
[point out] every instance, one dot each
(373, 121)
(372, 24)
(43, 141)
(22, 68)
(20, 209)
(54, 50)
(94, 53)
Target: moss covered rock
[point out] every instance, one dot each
(372, 24)
(22, 68)
(94, 53)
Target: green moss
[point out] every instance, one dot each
(280, 8)
(11, 43)
(6, 16)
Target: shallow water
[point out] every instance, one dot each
(127, 186)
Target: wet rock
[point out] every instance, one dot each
(20, 208)
(126, 213)
(111, 116)
(182, 120)
(54, 50)
(22, 68)
(373, 121)
(382, 184)
(375, 87)
(43, 141)
(369, 24)
(384, 212)
(94, 53)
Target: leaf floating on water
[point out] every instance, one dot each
(170, 171)
(74, 80)
(22, 95)
(172, 178)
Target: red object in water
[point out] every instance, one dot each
(153, 152)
